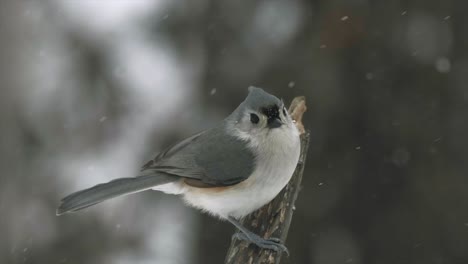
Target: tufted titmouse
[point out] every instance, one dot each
(228, 171)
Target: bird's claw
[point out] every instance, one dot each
(272, 243)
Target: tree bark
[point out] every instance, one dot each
(273, 219)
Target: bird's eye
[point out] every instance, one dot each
(254, 118)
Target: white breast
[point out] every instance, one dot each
(275, 167)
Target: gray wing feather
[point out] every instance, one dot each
(214, 157)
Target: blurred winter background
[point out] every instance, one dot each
(90, 90)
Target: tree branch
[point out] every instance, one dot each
(273, 219)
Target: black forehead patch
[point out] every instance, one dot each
(271, 111)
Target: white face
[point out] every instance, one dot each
(260, 125)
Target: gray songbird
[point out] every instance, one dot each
(228, 171)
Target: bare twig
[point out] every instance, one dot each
(273, 219)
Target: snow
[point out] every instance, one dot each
(442, 65)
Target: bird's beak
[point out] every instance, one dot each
(275, 122)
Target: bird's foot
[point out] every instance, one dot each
(270, 243)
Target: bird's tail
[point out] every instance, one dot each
(101, 192)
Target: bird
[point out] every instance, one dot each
(227, 171)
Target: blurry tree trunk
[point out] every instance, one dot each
(273, 219)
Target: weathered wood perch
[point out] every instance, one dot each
(273, 219)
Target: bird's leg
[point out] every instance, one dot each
(271, 243)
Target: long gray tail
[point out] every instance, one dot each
(101, 192)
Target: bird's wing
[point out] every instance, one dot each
(209, 159)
